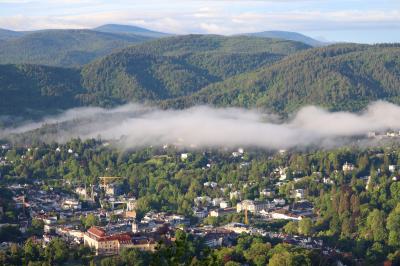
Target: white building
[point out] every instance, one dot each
(280, 202)
(223, 204)
(81, 191)
(71, 204)
(210, 184)
(200, 214)
(235, 195)
(283, 214)
(348, 167)
(217, 201)
(253, 206)
(238, 228)
(392, 168)
(299, 193)
(267, 193)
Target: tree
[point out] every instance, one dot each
(32, 251)
(36, 227)
(393, 225)
(281, 259)
(291, 228)
(376, 226)
(257, 253)
(56, 251)
(305, 226)
(90, 220)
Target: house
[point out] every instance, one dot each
(222, 212)
(299, 193)
(235, 195)
(282, 173)
(112, 190)
(223, 204)
(184, 156)
(327, 180)
(348, 167)
(236, 154)
(217, 201)
(238, 228)
(202, 201)
(280, 202)
(200, 213)
(210, 184)
(253, 206)
(267, 193)
(81, 191)
(392, 168)
(71, 204)
(218, 238)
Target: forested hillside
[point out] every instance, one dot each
(340, 77)
(30, 91)
(178, 66)
(182, 71)
(62, 47)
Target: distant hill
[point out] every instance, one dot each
(287, 35)
(339, 77)
(63, 47)
(177, 66)
(127, 29)
(9, 34)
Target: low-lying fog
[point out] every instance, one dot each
(136, 125)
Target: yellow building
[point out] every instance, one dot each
(104, 244)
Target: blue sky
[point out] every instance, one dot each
(368, 21)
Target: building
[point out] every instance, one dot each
(238, 228)
(348, 167)
(392, 168)
(202, 213)
(222, 212)
(223, 204)
(235, 195)
(283, 214)
(105, 244)
(253, 206)
(71, 204)
(299, 193)
(113, 189)
(81, 191)
(267, 193)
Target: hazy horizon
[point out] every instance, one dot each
(342, 21)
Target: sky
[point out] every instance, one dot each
(364, 21)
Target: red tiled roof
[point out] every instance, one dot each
(98, 232)
(119, 237)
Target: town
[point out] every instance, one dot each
(103, 214)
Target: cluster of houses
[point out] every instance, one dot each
(61, 212)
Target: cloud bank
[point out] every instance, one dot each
(135, 126)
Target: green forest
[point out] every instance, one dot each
(181, 71)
